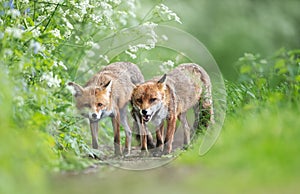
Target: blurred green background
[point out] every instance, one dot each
(256, 45)
(230, 28)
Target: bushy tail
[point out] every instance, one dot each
(204, 113)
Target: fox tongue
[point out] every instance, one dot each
(146, 117)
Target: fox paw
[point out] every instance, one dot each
(166, 152)
(126, 152)
(157, 153)
(118, 153)
(144, 153)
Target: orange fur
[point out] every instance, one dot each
(168, 98)
(107, 94)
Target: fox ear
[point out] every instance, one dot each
(162, 79)
(162, 82)
(78, 90)
(108, 87)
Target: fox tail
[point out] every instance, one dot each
(204, 112)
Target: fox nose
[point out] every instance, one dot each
(144, 112)
(94, 115)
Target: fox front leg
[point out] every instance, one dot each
(159, 136)
(143, 135)
(94, 132)
(116, 127)
(128, 131)
(159, 140)
(171, 125)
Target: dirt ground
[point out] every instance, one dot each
(138, 160)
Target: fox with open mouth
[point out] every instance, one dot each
(168, 98)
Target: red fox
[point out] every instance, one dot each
(107, 94)
(168, 98)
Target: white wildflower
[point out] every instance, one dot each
(36, 46)
(24, 1)
(41, 18)
(168, 63)
(71, 89)
(132, 55)
(164, 37)
(104, 57)
(167, 14)
(8, 52)
(77, 17)
(1, 35)
(35, 32)
(178, 58)
(19, 101)
(93, 45)
(14, 32)
(67, 33)
(148, 29)
(96, 18)
(166, 66)
(123, 16)
(133, 49)
(83, 6)
(105, 6)
(77, 38)
(118, 2)
(151, 43)
(56, 33)
(14, 13)
(61, 64)
(263, 61)
(52, 81)
(90, 53)
(69, 25)
(130, 4)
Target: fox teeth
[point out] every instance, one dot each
(146, 117)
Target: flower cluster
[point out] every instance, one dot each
(166, 14)
(166, 66)
(161, 13)
(44, 44)
(149, 39)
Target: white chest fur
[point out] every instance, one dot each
(159, 116)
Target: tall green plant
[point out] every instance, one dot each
(273, 80)
(43, 45)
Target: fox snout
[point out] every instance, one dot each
(144, 112)
(94, 116)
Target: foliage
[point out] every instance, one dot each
(230, 28)
(275, 80)
(42, 46)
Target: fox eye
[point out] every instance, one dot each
(99, 104)
(152, 100)
(139, 100)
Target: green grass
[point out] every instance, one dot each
(257, 152)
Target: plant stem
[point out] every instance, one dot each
(51, 17)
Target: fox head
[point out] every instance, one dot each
(148, 98)
(93, 102)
